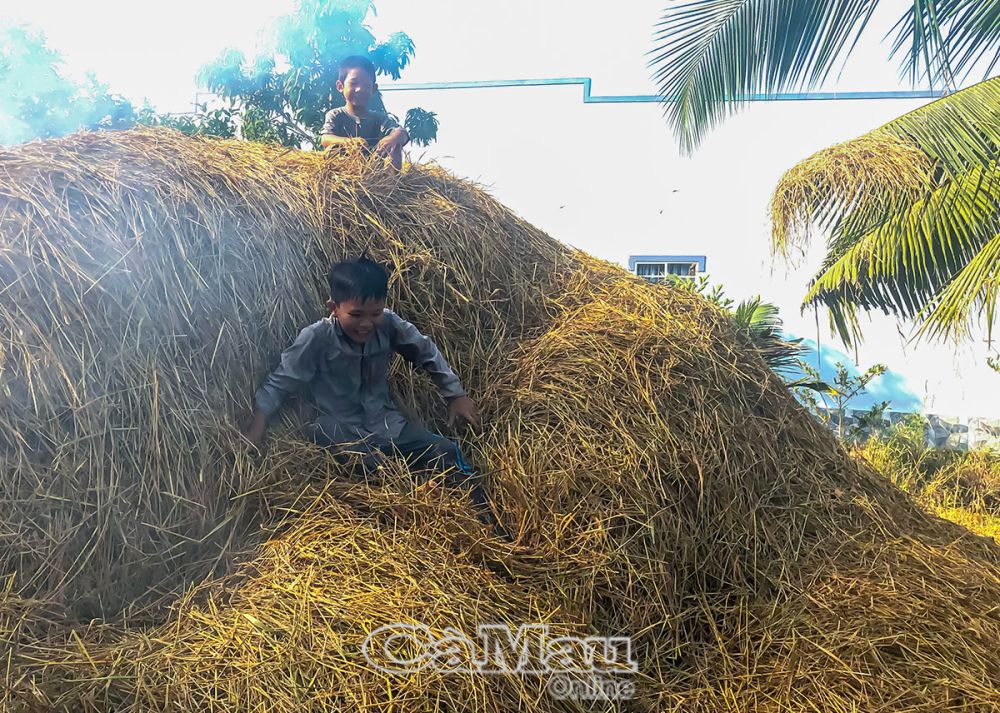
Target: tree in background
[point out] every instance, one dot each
(39, 100)
(831, 404)
(910, 211)
(220, 123)
(283, 95)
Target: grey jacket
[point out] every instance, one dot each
(348, 383)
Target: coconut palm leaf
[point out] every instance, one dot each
(910, 263)
(957, 131)
(857, 184)
(973, 290)
(711, 55)
(949, 39)
(910, 210)
(760, 323)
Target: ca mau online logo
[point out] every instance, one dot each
(580, 668)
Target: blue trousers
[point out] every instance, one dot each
(429, 452)
(422, 449)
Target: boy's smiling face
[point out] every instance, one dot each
(358, 319)
(358, 88)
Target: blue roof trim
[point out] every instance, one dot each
(700, 259)
(589, 98)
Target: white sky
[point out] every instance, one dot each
(154, 49)
(605, 178)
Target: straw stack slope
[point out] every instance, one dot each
(756, 566)
(661, 482)
(149, 280)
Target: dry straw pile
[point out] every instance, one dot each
(663, 485)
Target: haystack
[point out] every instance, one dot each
(662, 483)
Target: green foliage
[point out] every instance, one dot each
(913, 208)
(833, 401)
(963, 487)
(868, 422)
(946, 39)
(282, 96)
(711, 55)
(38, 100)
(930, 251)
(701, 286)
(760, 323)
(219, 122)
(421, 125)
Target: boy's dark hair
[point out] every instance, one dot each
(356, 62)
(362, 279)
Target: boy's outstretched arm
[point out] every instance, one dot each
(395, 138)
(420, 350)
(297, 368)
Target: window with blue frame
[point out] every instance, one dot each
(656, 268)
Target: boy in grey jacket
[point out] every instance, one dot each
(342, 361)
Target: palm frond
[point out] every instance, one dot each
(761, 324)
(947, 40)
(920, 29)
(910, 210)
(711, 55)
(889, 168)
(972, 291)
(872, 174)
(905, 264)
(957, 132)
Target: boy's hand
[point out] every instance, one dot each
(466, 408)
(393, 142)
(255, 430)
(386, 146)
